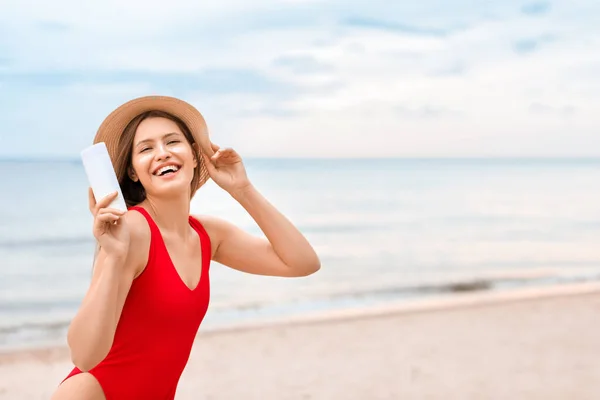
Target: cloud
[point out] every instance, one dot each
(455, 68)
(209, 80)
(368, 23)
(526, 46)
(309, 78)
(544, 109)
(537, 8)
(427, 111)
(302, 64)
(53, 27)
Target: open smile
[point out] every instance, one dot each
(166, 170)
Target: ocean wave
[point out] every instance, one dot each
(344, 228)
(45, 242)
(491, 282)
(38, 304)
(340, 299)
(43, 326)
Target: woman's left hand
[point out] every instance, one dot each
(226, 168)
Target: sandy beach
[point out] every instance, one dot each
(525, 344)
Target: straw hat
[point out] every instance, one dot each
(112, 127)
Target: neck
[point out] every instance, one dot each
(171, 214)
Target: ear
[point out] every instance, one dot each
(132, 174)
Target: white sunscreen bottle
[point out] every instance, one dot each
(101, 174)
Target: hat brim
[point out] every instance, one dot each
(114, 124)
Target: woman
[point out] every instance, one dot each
(132, 336)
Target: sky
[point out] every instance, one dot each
(310, 78)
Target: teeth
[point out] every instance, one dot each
(173, 168)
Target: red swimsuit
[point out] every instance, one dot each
(159, 322)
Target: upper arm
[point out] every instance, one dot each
(243, 251)
(137, 255)
(85, 351)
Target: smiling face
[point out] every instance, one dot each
(158, 157)
(162, 159)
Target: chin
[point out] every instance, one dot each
(169, 186)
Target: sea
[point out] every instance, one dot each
(386, 230)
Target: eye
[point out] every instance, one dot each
(144, 149)
(173, 141)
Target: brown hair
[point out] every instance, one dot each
(133, 192)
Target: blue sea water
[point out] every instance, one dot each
(386, 230)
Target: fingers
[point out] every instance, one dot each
(109, 215)
(105, 201)
(209, 163)
(209, 148)
(115, 211)
(220, 157)
(107, 218)
(223, 154)
(216, 156)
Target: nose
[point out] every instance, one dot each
(162, 152)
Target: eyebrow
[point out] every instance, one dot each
(167, 135)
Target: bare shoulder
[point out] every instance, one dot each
(215, 227)
(139, 246)
(138, 226)
(209, 221)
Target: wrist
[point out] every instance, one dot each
(242, 192)
(115, 261)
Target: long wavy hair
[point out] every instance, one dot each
(133, 192)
